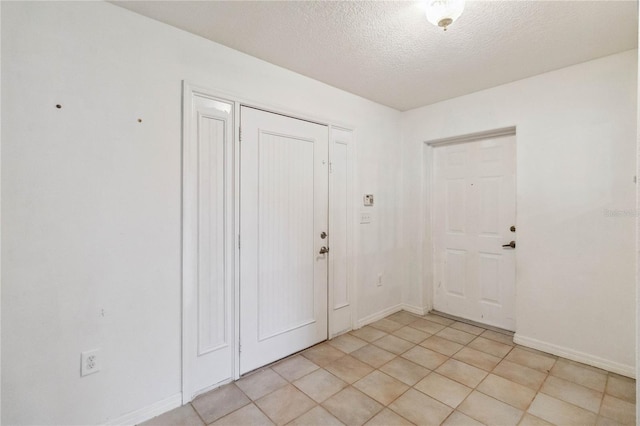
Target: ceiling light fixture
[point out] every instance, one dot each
(442, 13)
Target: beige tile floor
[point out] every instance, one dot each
(428, 370)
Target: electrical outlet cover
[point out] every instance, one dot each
(90, 362)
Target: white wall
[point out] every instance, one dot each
(576, 132)
(91, 200)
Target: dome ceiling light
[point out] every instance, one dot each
(443, 13)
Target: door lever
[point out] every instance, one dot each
(512, 244)
(324, 250)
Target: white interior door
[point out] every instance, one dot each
(208, 340)
(283, 211)
(474, 210)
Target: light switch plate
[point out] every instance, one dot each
(365, 217)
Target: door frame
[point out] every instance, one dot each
(233, 223)
(427, 208)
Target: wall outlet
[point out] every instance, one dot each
(90, 362)
(380, 279)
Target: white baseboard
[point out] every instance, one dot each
(415, 309)
(614, 367)
(378, 315)
(149, 412)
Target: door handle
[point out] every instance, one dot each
(324, 250)
(512, 244)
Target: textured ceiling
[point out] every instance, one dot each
(389, 53)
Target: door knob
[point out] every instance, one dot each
(324, 250)
(512, 244)
(323, 235)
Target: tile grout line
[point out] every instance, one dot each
(476, 387)
(251, 401)
(198, 414)
(488, 372)
(524, 411)
(390, 331)
(604, 392)
(397, 398)
(454, 409)
(431, 371)
(538, 392)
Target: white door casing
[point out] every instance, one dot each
(283, 211)
(474, 207)
(208, 243)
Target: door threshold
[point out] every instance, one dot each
(475, 323)
(271, 364)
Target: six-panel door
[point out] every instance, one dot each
(474, 209)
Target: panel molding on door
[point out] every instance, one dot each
(473, 210)
(208, 268)
(283, 210)
(276, 190)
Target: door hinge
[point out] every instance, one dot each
(240, 134)
(330, 167)
(238, 241)
(239, 347)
